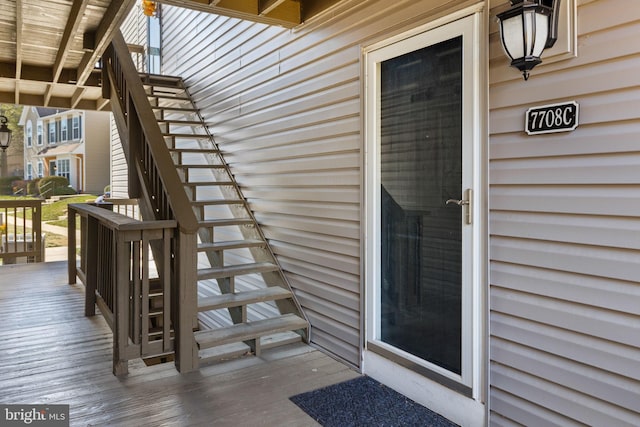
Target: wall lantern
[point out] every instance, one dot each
(5, 139)
(529, 27)
(5, 133)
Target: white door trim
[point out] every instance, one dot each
(472, 27)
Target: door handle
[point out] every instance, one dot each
(464, 202)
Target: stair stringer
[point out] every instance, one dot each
(222, 173)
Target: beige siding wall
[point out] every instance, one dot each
(565, 233)
(134, 30)
(286, 108)
(97, 146)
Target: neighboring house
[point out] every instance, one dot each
(349, 136)
(69, 143)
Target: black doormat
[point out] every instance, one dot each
(365, 402)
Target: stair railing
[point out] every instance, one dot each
(154, 180)
(115, 269)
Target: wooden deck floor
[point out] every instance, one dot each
(51, 354)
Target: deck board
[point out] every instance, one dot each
(52, 354)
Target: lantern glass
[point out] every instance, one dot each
(5, 133)
(5, 138)
(541, 33)
(512, 30)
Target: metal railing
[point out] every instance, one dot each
(21, 231)
(120, 278)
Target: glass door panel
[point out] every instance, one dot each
(420, 168)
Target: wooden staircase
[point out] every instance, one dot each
(245, 303)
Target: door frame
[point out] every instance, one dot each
(377, 358)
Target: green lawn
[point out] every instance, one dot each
(53, 211)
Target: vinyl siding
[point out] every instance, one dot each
(285, 106)
(565, 233)
(97, 146)
(134, 30)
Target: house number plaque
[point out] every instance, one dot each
(552, 118)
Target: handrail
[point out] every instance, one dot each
(21, 236)
(162, 181)
(115, 267)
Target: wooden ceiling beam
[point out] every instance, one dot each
(111, 21)
(45, 74)
(77, 96)
(19, 35)
(75, 18)
(103, 104)
(47, 94)
(242, 9)
(16, 92)
(267, 6)
(56, 102)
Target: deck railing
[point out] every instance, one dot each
(120, 278)
(21, 231)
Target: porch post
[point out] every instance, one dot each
(121, 305)
(185, 305)
(71, 249)
(91, 251)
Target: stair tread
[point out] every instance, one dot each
(173, 108)
(248, 331)
(185, 135)
(207, 183)
(235, 270)
(231, 244)
(198, 166)
(224, 222)
(169, 94)
(194, 150)
(182, 122)
(239, 299)
(212, 202)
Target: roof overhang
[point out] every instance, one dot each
(49, 50)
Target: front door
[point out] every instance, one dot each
(422, 134)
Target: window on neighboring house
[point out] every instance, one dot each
(77, 123)
(52, 132)
(40, 169)
(63, 168)
(29, 172)
(39, 132)
(29, 134)
(63, 130)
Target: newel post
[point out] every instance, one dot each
(185, 302)
(71, 248)
(122, 259)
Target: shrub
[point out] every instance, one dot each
(19, 187)
(32, 187)
(54, 186)
(6, 184)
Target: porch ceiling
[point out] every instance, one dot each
(48, 49)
